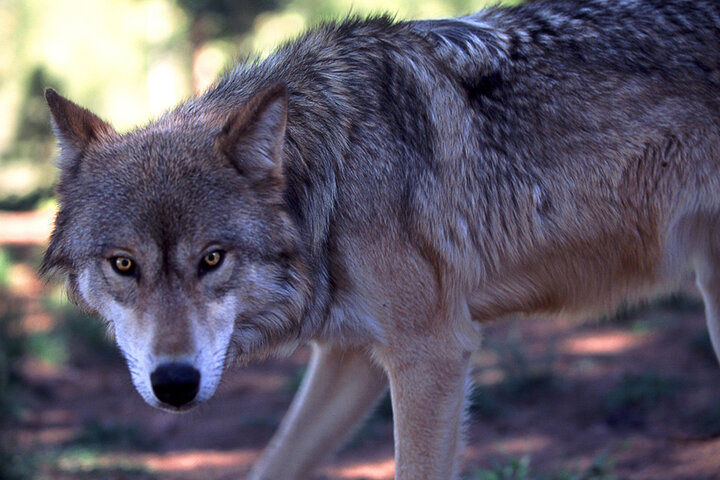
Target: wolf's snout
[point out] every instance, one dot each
(175, 383)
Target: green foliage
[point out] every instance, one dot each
(224, 18)
(514, 469)
(144, 57)
(292, 384)
(375, 426)
(24, 202)
(4, 268)
(33, 114)
(88, 463)
(484, 402)
(76, 337)
(88, 337)
(383, 411)
(104, 436)
(12, 348)
(602, 468)
(48, 347)
(635, 395)
(13, 466)
(523, 379)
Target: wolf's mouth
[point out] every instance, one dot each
(181, 409)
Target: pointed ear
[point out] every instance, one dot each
(75, 127)
(253, 136)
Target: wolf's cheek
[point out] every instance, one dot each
(132, 335)
(259, 286)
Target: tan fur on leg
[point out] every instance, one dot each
(338, 391)
(428, 399)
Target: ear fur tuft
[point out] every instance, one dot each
(253, 136)
(76, 128)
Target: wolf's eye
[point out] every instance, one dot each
(211, 261)
(123, 265)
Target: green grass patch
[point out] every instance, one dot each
(383, 411)
(28, 201)
(4, 268)
(293, 382)
(90, 463)
(14, 466)
(76, 338)
(484, 402)
(523, 379)
(520, 469)
(104, 436)
(513, 469)
(48, 347)
(373, 427)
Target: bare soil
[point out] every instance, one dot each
(641, 391)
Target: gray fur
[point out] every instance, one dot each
(554, 156)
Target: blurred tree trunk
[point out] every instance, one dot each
(198, 38)
(214, 19)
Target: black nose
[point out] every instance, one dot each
(175, 383)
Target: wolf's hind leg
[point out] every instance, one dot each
(338, 391)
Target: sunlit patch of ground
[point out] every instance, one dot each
(371, 470)
(523, 444)
(196, 460)
(602, 344)
(561, 393)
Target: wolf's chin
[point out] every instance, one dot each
(170, 409)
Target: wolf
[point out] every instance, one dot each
(380, 189)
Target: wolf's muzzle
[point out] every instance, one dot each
(175, 383)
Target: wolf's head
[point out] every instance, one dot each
(176, 235)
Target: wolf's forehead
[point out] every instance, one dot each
(160, 240)
(164, 189)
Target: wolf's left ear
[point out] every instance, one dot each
(253, 136)
(76, 128)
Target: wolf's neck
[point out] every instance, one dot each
(320, 116)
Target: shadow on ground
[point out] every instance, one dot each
(633, 396)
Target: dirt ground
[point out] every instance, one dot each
(636, 394)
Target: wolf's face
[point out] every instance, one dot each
(176, 235)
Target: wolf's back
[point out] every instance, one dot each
(640, 35)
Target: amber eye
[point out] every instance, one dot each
(123, 265)
(211, 260)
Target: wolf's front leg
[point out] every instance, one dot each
(338, 391)
(428, 392)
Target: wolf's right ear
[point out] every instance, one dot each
(75, 127)
(253, 136)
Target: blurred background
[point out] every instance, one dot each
(634, 395)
